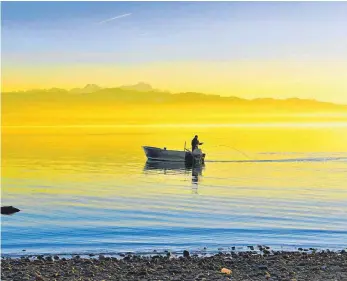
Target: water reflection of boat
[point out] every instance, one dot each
(196, 173)
(163, 165)
(176, 167)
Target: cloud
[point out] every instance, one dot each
(116, 17)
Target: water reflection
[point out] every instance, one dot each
(196, 176)
(177, 168)
(166, 166)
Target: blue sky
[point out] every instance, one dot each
(62, 32)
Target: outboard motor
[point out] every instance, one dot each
(194, 157)
(198, 156)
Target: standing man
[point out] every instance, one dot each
(195, 143)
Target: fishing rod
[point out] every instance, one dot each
(243, 153)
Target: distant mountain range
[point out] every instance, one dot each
(92, 88)
(145, 93)
(89, 88)
(142, 104)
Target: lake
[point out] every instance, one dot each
(89, 189)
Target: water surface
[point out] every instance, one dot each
(90, 189)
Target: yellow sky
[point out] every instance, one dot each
(321, 80)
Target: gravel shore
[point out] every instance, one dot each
(266, 265)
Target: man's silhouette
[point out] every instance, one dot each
(195, 142)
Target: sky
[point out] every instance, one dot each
(246, 49)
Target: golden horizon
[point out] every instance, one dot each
(318, 80)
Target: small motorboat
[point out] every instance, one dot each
(163, 154)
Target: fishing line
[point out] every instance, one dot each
(243, 153)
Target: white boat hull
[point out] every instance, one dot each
(154, 153)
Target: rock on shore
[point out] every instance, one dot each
(9, 210)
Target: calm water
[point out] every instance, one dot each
(90, 190)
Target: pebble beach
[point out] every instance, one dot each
(243, 266)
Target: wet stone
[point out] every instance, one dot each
(186, 254)
(245, 266)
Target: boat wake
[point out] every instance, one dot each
(314, 159)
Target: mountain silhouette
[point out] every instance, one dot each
(142, 103)
(143, 92)
(89, 88)
(140, 87)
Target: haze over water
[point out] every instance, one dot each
(90, 190)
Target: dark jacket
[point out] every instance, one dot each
(195, 142)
